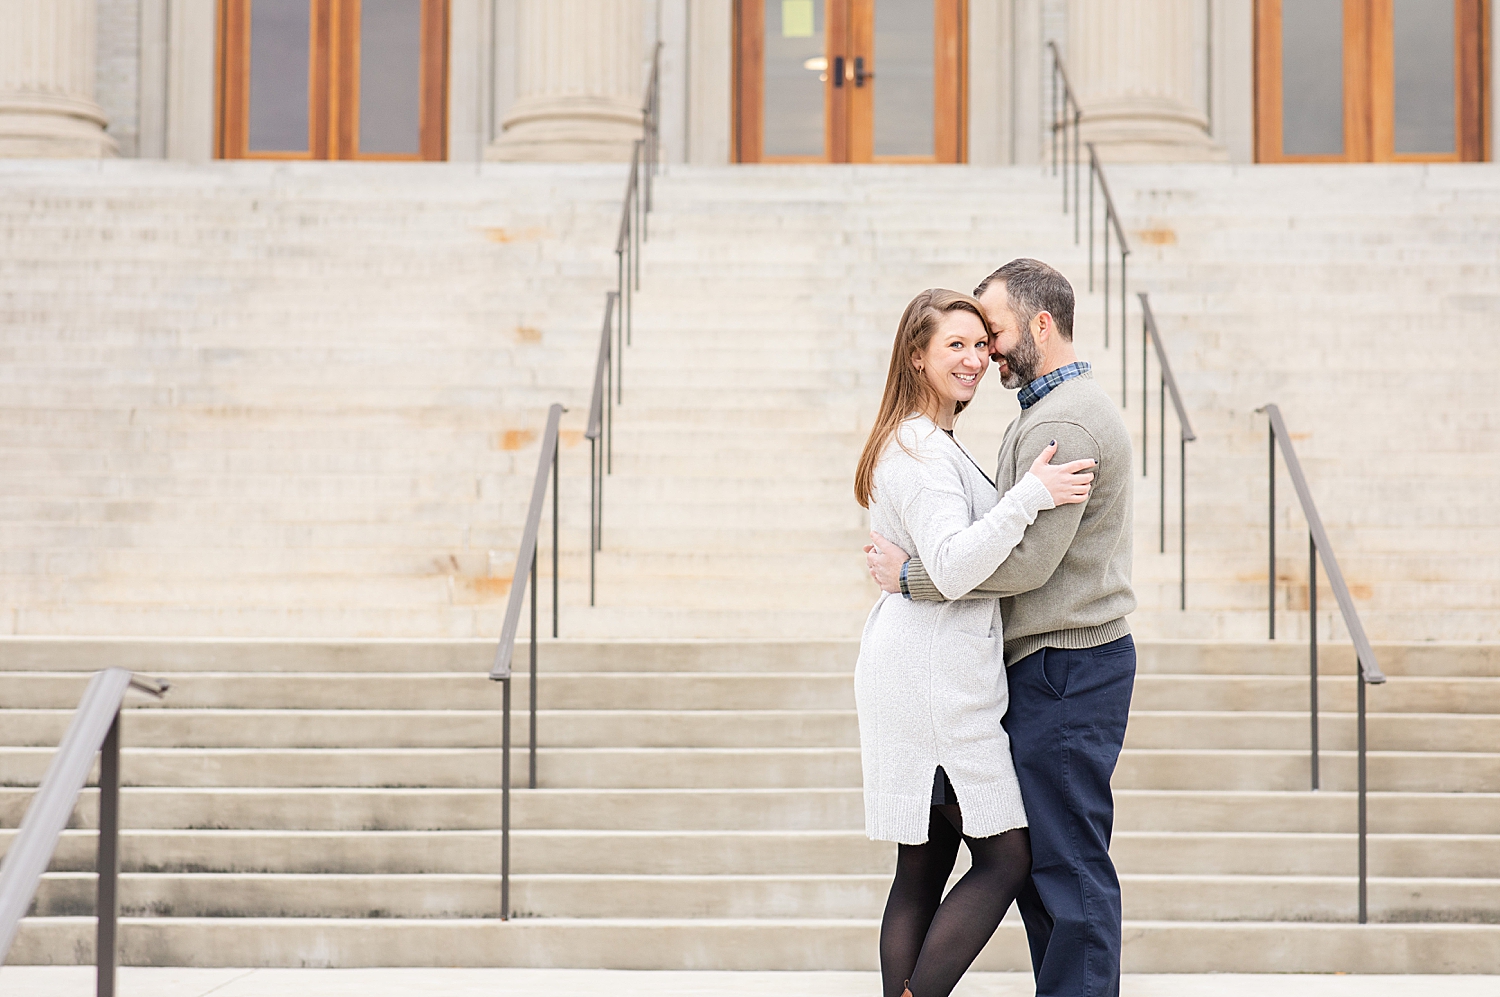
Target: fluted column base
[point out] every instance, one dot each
(568, 129)
(48, 126)
(1149, 130)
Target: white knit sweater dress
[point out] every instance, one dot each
(930, 683)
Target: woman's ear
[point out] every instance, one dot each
(916, 360)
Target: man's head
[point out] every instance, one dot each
(1029, 306)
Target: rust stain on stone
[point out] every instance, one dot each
(1157, 236)
(528, 334)
(487, 588)
(515, 439)
(505, 235)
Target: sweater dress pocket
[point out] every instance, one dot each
(969, 691)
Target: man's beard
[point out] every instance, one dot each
(1023, 362)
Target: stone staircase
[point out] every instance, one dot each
(1362, 300)
(335, 803)
(260, 398)
(226, 429)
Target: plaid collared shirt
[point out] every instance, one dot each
(1034, 392)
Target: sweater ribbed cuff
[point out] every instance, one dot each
(919, 586)
(1032, 495)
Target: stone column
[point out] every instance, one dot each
(1135, 66)
(47, 106)
(579, 82)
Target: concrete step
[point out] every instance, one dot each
(724, 852)
(400, 729)
(706, 943)
(739, 767)
(713, 691)
(343, 808)
(1166, 898)
(179, 655)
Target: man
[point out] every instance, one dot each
(1065, 593)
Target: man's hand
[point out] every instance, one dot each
(885, 560)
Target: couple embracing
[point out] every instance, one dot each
(995, 671)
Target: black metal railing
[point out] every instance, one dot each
(1067, 127)
(1367, 671)
(607, 392)
(619, 309)
(645, 162)
(1067, 124)
(524, 579)
(1167, 384)
(94, 730)
(1066, 117)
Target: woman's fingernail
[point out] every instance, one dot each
(1052, 444)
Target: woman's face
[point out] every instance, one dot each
(956, 357)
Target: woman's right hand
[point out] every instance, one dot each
(1068, 483)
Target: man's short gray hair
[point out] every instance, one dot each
(1032, 287)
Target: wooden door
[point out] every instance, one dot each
(332, 79)
(1371, 80)
(850, 81)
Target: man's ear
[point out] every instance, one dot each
(1045, 327)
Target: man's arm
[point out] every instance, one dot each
(1045, 542)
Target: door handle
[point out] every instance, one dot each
(838, 70)
(859, 71)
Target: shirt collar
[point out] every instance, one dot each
(1034, 392)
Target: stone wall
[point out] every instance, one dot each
(117, 72)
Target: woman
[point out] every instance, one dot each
(930, 682)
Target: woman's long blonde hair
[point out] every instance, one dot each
(906, 388)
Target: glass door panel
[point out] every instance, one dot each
(332, 79)
(390, 77)
(280, 71)
(1425, 77)
(796, 75)
(849, 81)
(1370, 80)
(905, 92)
(1312, 78)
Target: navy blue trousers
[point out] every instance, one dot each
(1066, 723)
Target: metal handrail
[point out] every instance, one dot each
(619, 308)
(500, 671)
(601, 432)
(1067, 122)
(1066, 130)
(1368, 671)
(644, 165)
(1111, 217)
(1167, 385)
(95, 729)
(607, 391)
(1063, 98)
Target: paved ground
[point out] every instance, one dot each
(74, 981)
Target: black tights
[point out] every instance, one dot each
(931, 940)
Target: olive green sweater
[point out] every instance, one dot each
(1067, 584)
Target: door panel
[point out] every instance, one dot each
(849, 81)
(1312, 66)
(793, 105)
(280, 71)
(905, 43)
(332, 79)
(1370, 80)
(1424, 77)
